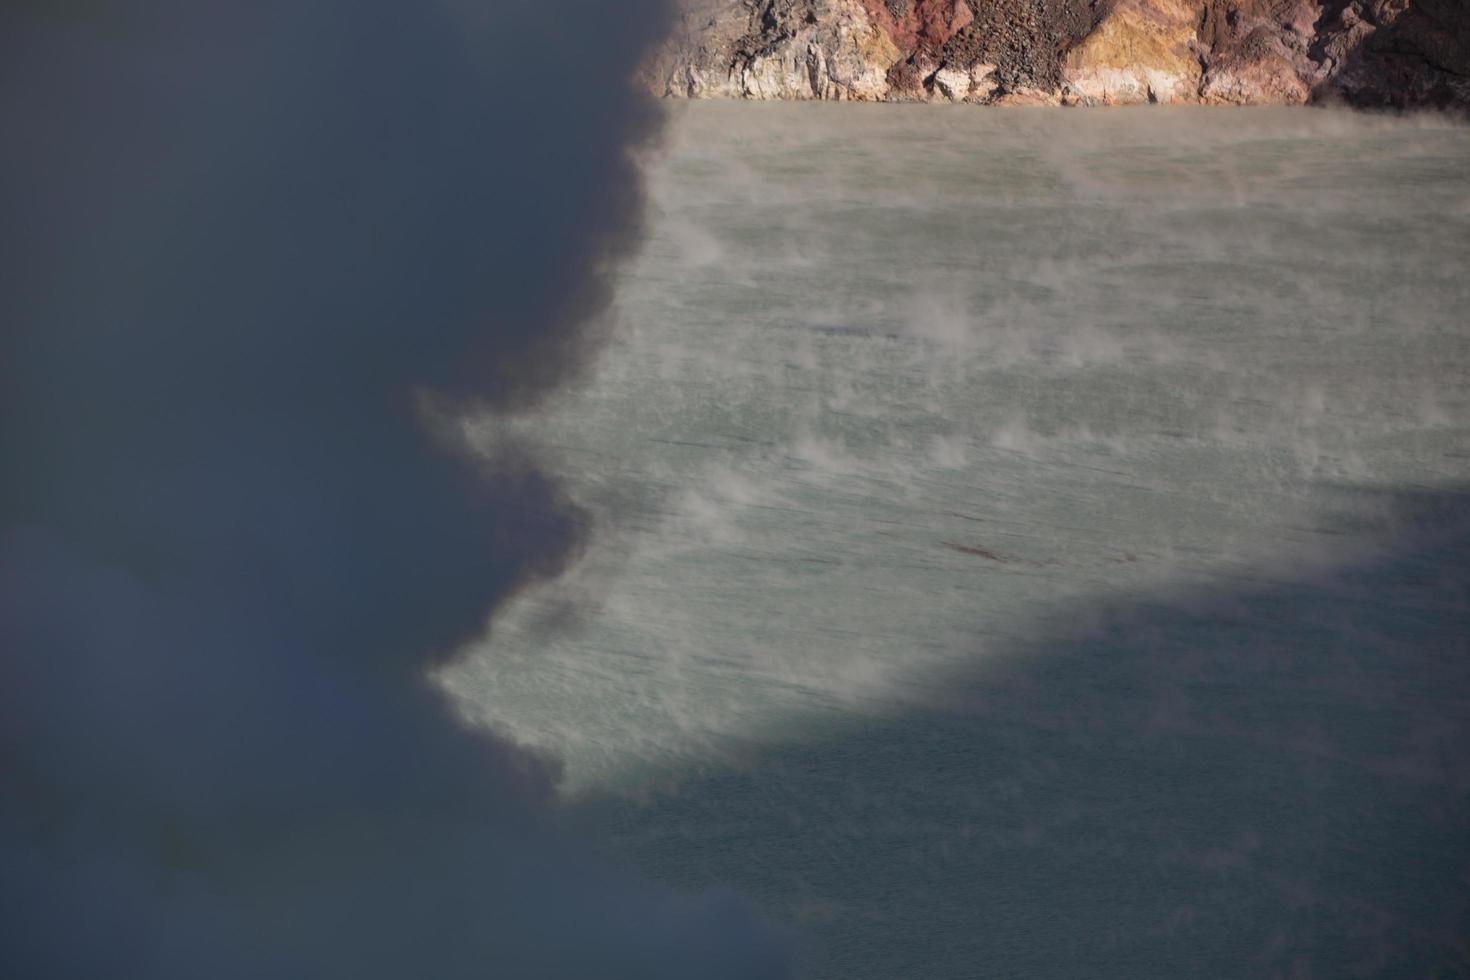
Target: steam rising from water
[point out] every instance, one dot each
(1029, 544)
(892, 386)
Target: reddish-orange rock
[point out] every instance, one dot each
(1367, 52)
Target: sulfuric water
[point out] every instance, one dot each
(1026, 543)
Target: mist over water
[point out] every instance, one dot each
(1027, 543)
(889, 383)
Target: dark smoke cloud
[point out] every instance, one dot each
(241, 244)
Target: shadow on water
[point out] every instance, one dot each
(1266, 781)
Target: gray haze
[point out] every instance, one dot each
(244, 247)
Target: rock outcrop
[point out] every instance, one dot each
(779, 49)
(1398, 53)
(1141, 51)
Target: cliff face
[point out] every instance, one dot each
(1362, 52)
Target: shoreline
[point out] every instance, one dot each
(1455, 113)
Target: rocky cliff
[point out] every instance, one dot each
(1399, 53)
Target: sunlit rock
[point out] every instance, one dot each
(1074, 52)
(1141, 52)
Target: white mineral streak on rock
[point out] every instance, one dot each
(952, 84)
(835, 53)
(840, 56)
